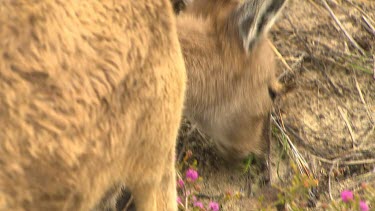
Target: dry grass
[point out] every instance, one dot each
(334, 87)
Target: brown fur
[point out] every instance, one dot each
(228, 92)
(91, 96)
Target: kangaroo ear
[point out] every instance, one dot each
(255, 18)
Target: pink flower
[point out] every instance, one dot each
(180, 183)
(214, 206)
(191, 175)
(194, 198)
(198, 204)
(179, 200)
(346, 195)
(363, 206)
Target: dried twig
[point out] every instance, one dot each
(319, 9)
(278, 54)
(329, 178)
(359, 162)
(354, 43)
(361, 11)
(345, 163)
(348, 126)
(363, 99)
(336, 162)
(297, 157)
(297, 62)
(337, 90)
(332, 49)
(368, 22)
(302, 142)
(184, 193)
(370, 28)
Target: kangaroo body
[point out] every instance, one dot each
(91, 96)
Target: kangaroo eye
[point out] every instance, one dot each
(272, 93)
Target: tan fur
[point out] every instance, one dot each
(228, 88)
(91, 96)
